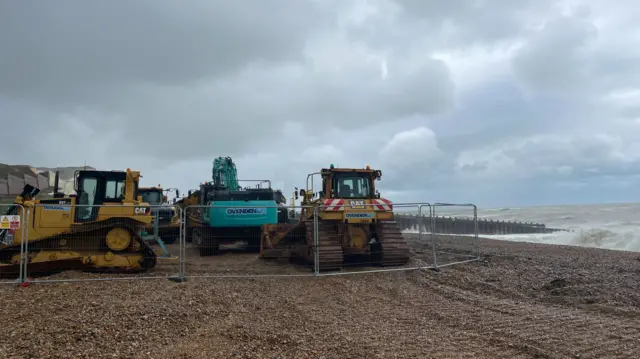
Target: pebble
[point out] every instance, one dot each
(502, 308)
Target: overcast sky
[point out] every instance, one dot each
(496, 102)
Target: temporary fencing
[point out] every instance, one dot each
(227, 241)
(12, 228)
(381, 247)
(106, 242)
(222, 241)
(455, 240)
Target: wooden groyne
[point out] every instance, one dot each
(458, 225)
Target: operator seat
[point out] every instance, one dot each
(345, 190)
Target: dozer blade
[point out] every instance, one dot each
(297, 244)
(88, 247)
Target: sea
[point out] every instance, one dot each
(608, 226)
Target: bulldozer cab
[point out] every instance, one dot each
(345, 183)
(97, 188)
(348, 195)
(349, 183)
(152, 195)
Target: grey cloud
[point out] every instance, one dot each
(579, 56)
(449, 24)
(500, 111)
(210, 75)
(555, 156)
(558, 59)
(287, 88)
(55, 51)
(245, 112)
(354, 98)
(141, 68)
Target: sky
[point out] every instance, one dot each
(496, 103)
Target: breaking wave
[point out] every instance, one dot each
(595, 237)
(607, 226)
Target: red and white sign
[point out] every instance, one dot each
(382, 204)
(9, 222)
(334, 204)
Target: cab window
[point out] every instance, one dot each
(88, 195)
(351, 186)
(87, 198)
(152, 197)
(114, 190)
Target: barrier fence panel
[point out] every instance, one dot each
(454, 232)
(239, 241)
(115, 242)
(355, 237)
(12, 229)
(102, 242)
(423, 222)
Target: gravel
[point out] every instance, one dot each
(522, 300)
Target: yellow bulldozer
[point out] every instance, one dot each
(355, 225)
(167, 219)
(96, 229)
(192, 199)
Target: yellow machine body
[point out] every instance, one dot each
(355, 225)
(192, 215)
(45, 222)
(96, 229)
(168, 217)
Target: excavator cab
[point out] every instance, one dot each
(96, 229)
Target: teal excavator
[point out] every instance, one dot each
(228, 213)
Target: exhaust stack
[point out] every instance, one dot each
(56, 184)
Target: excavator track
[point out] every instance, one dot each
(395, 250)
(86, 239)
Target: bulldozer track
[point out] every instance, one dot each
(84, 237)
(395, 250)
(330, 256)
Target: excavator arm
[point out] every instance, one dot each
(225, 174)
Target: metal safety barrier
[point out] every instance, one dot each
(228, 241)
(12, 228)
(451, 242)
(392, 249)
(60, 242)
(66, 243)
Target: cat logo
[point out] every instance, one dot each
(356, 204)
(142, 210)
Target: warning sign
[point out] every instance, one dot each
(9, 222)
